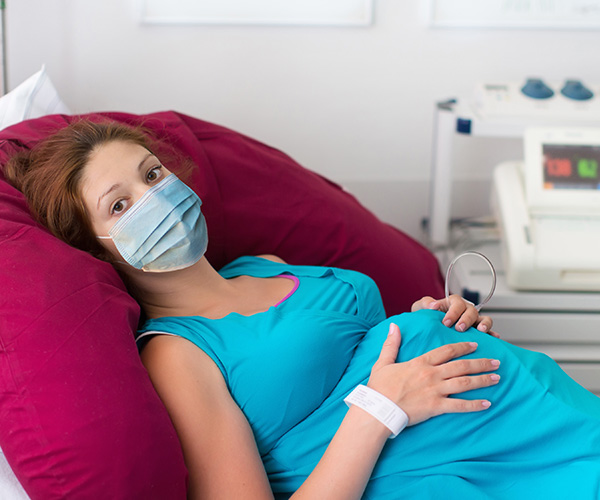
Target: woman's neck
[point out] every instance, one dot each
(187, 292)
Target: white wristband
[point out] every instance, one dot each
(380, 407)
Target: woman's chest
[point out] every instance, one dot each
(287, 366)
(282, 364)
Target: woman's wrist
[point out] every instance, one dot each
(379, 407)
(364, 422)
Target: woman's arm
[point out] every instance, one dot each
(218, 444)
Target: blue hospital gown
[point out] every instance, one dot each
(290, 367)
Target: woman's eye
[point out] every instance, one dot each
(118, 207)
(154, 173)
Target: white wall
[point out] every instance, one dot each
(355, 104)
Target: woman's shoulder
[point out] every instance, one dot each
(272, 258)
(258, 265)
(166, 353)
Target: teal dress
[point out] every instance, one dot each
(290, 367)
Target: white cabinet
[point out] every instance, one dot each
(571, 339)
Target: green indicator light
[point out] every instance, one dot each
(587, 168)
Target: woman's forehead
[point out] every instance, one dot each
(116, 158)
(112, 163)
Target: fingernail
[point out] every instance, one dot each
(461, 327)
(391, 330)
(496, 363)
(447, 322)
(495, 377)
(473, 345)
(482, 328)
(434, 305)
(486, 404)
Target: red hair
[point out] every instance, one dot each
(50, 175)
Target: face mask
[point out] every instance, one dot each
(164, 230)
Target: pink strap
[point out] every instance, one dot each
(296, 283)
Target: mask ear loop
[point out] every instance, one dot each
(110, 238)
(480, 255)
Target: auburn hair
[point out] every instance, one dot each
(49, 175)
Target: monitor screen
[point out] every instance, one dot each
(562, 170)
(571, 166)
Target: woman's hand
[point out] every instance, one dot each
(422, 385)
(459, 312)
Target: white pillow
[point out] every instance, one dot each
(9, 484)
(35, 97)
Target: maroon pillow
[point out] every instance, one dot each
(265, 202)
(79, 415)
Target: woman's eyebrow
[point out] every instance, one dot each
(115, 186)
(106, 193)
(149, 155)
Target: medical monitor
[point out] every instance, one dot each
(562, 170)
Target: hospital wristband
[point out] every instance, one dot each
(380, 407)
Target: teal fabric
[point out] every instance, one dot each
(290, 367)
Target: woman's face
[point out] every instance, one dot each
(116, 176)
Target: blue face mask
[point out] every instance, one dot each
(164, 230)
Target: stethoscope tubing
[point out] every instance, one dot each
(491, 266)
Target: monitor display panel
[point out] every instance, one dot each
(562, 170)
(569, 166)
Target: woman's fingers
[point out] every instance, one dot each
(463, 315)
(448, 352)
(460, 313)
(426, 302)
(455, 405)
(457, 385)
(484, 324)
(456, 308)
(462, 367)
(444, 404)
(389, 351)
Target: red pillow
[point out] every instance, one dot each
(79, 415)
(265, 202)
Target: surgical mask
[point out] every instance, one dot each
(164, 230)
